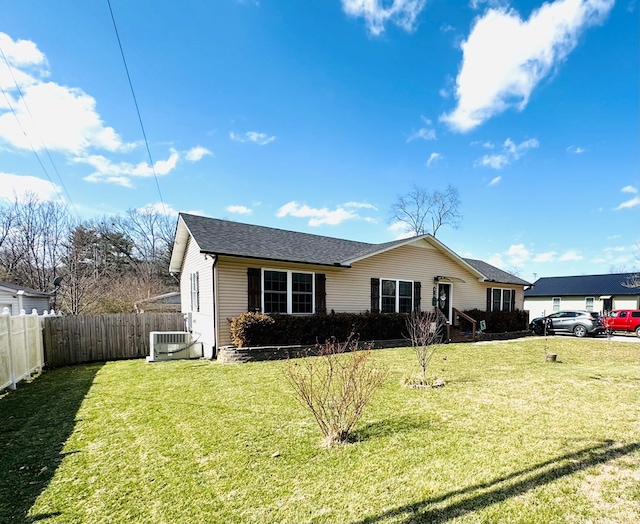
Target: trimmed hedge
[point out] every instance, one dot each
(257, 329)
(498, 321)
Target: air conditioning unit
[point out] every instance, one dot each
(173, 345)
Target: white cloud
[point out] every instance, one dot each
(19, 186)
(493, 161)
(323, 216)
(576, 150)
(433, 157)
(505, 57)
(377, 13)
(496, 260)
(360, 205)
(549, 256)
(570, 256)
(64, 119)
(510, 153)
(424, 133)
(160, 208)
(634, 202)
(518, 254)
(397, 226)
(242, 210)
(197, 153)
(629, 189)
(262, 139)
(495, 181)
(121, 172)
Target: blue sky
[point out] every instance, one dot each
(314, 116)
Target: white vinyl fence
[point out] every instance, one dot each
(21, 347)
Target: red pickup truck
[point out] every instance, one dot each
(623, 320)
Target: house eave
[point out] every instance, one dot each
(273, 259)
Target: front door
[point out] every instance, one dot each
(444, 300)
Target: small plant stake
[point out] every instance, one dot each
(549, 357)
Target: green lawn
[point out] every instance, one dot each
(510, 438)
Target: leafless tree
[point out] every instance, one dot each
(335, 386)
(425, 330)
(31, 248)
(151, 235)
(424, 212)
(633, 280)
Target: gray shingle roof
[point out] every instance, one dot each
(223, 237)
(494, 274)
(583, 285)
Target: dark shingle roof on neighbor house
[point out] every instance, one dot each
(223, 237)
(583, 285)
(27, 290)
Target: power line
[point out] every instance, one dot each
(135, 101)
(64, 187)
(6, 97)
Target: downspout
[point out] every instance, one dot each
(214, 283)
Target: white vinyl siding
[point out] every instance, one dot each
(349, 289)
(203, 318)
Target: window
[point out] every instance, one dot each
(275, 292)
(301, 293)
(396, 296)
(287, 292)
(195, 291)
(556, 303)
(588, 303)
(502, 299)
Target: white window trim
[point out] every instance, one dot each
(397, 281)
(502, 290)
(289, 273)
(553, 302)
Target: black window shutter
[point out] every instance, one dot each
(513, 300)
(488, 299)
(375, 295)
(417, 295)
(321, 293)
(254, 289)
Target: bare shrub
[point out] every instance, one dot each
(335, 386)
(425, 332)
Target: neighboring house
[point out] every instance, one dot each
(16, 298)
(585, 292)
(166, 303)
(227, 268)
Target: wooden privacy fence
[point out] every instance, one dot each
(21, 349)
(98, 338)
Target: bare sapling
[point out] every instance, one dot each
(425, 330)
(335, 386)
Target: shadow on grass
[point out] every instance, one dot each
(37, 419)
(384, 428)
(483, 495)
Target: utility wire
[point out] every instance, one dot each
(44, 146)
(135, 101)
(55, 187)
